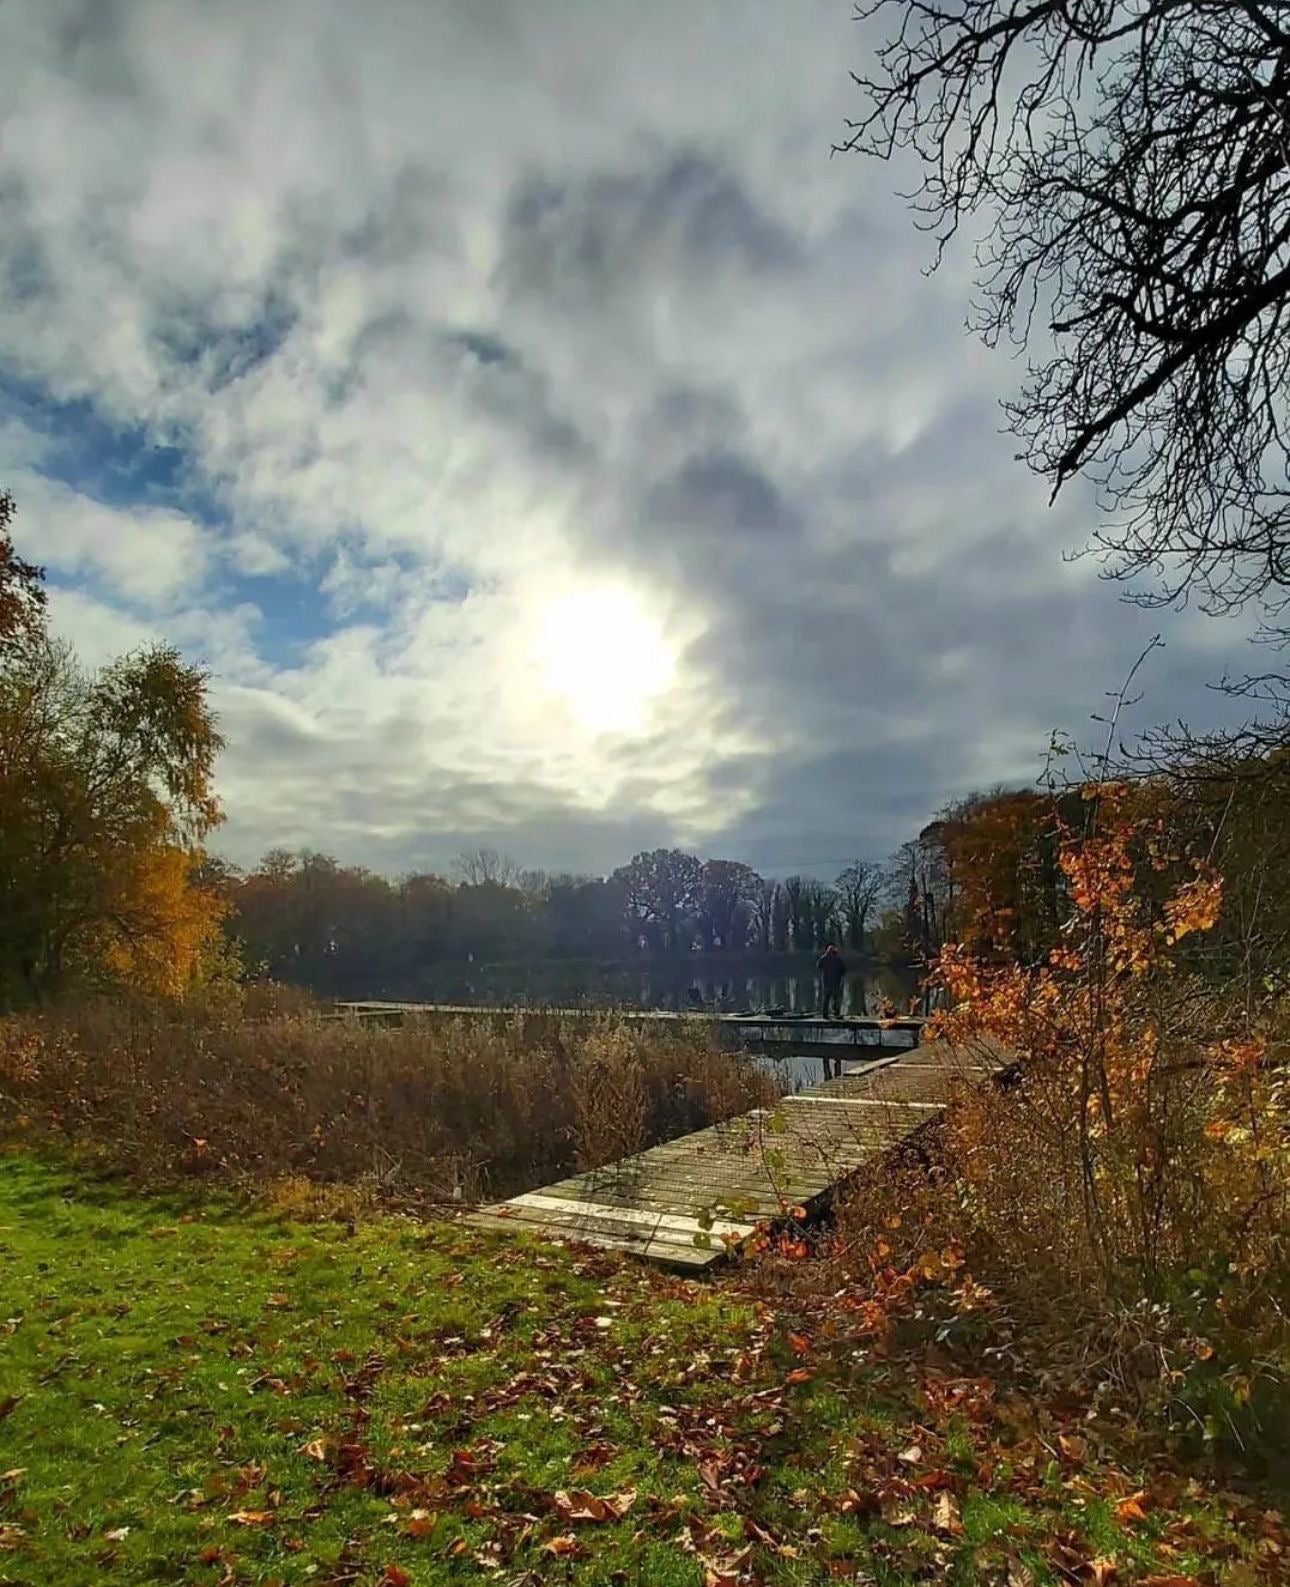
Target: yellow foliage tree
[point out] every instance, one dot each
(106, 794)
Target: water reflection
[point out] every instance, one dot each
(733, 985)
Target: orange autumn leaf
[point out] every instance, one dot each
(577, 1504)
(1131, 1509)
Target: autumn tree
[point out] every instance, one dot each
(106, 794)
(1125, 166)
(1001, 850)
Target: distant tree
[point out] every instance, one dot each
(584, 917)
(1126, 167)
(480, 866)
(921, 882)
(727, 890)
(781, 921)
(825, 922)
(859, 887)
(797, 909)
(766, 903)
(106, 793)
(811, 908)
(491, 921)
(425, 922)
(661, 890)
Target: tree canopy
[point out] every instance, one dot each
(106, 793)
(1128, 168)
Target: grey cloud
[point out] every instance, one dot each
(721, 494)
(583, 242)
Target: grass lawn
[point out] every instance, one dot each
(201, 1393)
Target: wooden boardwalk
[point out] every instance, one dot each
(684, 1203)
(758, 1029)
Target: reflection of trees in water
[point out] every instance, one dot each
(730, 986)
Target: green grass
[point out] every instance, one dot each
(204, 1393)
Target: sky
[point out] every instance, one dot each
(542, 440)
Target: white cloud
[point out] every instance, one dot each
(145, 555)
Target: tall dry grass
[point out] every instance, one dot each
(463, 1110)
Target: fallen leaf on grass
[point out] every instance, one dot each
(576, 1504)
(1101, 1570)
(316, 1449)
(9, 1404)
(853, 1502)
(945, 1515)
(252, 1518)
(801, 1344)
(1168, 1581)
(396, 1576)
(758, 1533)
(799, 1375)
(724, 1570)
(117, 1534)
(566, 1547)
(596, 1455)
(1130, 1509)
(912, 1455)
(467, 1464)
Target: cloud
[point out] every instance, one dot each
(146, 555)
(347, 366)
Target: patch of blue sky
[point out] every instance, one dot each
(83, 449)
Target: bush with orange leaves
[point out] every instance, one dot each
(1148, 1133)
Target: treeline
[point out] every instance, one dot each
(308, 919)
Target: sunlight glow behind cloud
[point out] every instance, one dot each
(602, 653)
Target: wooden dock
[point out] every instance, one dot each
(756, 1029)
(686, 1203)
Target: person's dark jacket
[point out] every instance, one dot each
(832, 968)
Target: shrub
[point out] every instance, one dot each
(461, 1110)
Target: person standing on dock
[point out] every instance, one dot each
(832, 969)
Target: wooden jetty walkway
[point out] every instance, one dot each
(684, 1204)
(758, 1029)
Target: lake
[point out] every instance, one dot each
(722, 983)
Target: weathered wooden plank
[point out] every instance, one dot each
(661, 1247)
(692, 1260)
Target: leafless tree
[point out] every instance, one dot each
(859, 888)
(1127, 163)
(481, 866)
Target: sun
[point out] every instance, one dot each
(605, 655)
